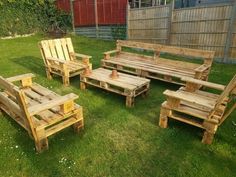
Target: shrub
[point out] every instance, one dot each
(27, 16)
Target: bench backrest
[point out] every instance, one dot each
(157, 48)
(61, 49)
(14, 99)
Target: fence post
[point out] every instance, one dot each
(171, 9)
(127, 20)
(96, 16)
(72, 15)
(230, 33)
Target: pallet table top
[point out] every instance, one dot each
(127, 85)
(124, 80)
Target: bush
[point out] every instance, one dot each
(27, 16)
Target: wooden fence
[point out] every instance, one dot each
(207, 28)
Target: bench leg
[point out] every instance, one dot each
(129, 101)
(41, 145)
(210, 130)
(78, 126)
(207, 137)
(49, 76)
(66, 80)
(163, 120)
(82, 86)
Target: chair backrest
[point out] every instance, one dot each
(13, 98)
(61, 49)
(227, 91)
(157, 48)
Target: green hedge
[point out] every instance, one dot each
(27, 16)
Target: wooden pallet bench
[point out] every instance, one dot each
(202, 109)
(156, 67)
(60, 58)
(38, 110)
(126, 85)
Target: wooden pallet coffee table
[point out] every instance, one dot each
(126, 85)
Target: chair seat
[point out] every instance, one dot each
(159, 66)
(74, 66)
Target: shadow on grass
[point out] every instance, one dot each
(34, 64)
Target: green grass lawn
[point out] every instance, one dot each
(116, 141)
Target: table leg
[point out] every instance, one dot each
(82, 86)
(129, 101)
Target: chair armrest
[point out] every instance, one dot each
(107, 54)
(202, 68)
(203, 83)
(82, 55)
(56, 60)
(188, 98)
(20, 77)
(33, 110)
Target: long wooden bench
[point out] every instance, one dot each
(202, 109)
(156, 67)
(38, 110)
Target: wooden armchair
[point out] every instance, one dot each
(199, 108)
(60, 59)
(38, 110)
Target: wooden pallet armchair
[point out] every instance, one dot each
(38, 110)
(199, 108)
(60, 58)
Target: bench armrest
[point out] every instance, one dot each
(188, 98)
(33, 110)
(20, 77)
(203, 83)
(107, 54)
(202, 68)
(111, 52)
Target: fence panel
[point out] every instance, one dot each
(204, 27)
(149, 24)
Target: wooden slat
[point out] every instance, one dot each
(191, 98)
(124, 81)
(8, 86)
(51, 47)
(49, 104)
(69, 45)
(65, 49)
(59, 51)
(20, 77)
(60, 126)
(168, 49)
(204, 83)
(4, 99)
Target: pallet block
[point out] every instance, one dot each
(38, 110)
(60, 58)
(199, 108)
(155, 67)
